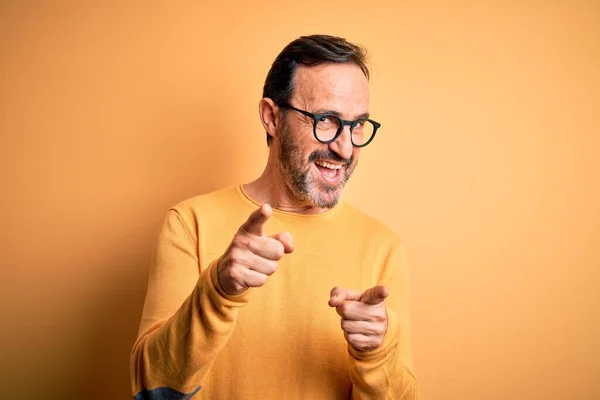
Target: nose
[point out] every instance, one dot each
(343, 145)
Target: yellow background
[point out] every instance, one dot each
(486, 165)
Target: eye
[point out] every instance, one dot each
(358, 127)
(324, 118)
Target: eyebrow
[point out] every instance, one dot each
(336, 113)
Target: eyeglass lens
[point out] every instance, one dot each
(327, 127)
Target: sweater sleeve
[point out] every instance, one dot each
(187, 319)
(387, 372)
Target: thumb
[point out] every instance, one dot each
(255, 223)
(286, 240)
(338, 295)
(374, 295)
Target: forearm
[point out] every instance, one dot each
(383, 373)
(179, 352)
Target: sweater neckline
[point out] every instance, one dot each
(324, 215)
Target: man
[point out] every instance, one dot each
(276, 289)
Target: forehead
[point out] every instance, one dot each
(339, 87)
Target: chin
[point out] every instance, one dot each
(325, 198)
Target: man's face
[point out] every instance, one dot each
(315, 172)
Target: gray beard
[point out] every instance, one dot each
(296, 173)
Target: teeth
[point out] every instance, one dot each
(328, 165)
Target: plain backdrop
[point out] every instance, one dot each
(486, 166)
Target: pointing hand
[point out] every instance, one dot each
(364, 315)
(252, 256)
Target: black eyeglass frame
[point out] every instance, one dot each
(343, 123)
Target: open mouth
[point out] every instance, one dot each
(329, 172)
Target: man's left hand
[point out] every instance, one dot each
(364, 315)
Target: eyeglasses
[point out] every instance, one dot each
(328, 127)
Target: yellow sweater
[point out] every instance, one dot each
(279, 341)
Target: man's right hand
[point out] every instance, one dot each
(252, 257)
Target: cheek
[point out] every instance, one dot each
(310, 145)
(302, 131)
(305, 142)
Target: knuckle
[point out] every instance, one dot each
(379, 329)
(344, 324)
(234, 274)
(233, 259)
(243, 228)
(238, 287)
(358, 343)
(271, 267)
(381, 316)
(284, 237)
(240, 240)
(261, 279)
(345, 308)
(236, 256)
(278, 249)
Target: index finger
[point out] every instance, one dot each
(374, 295)
(255, 223)
(338, 295)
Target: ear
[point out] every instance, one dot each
(269, 116)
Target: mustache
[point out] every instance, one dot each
(328, 155)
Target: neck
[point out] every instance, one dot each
(272, 188)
